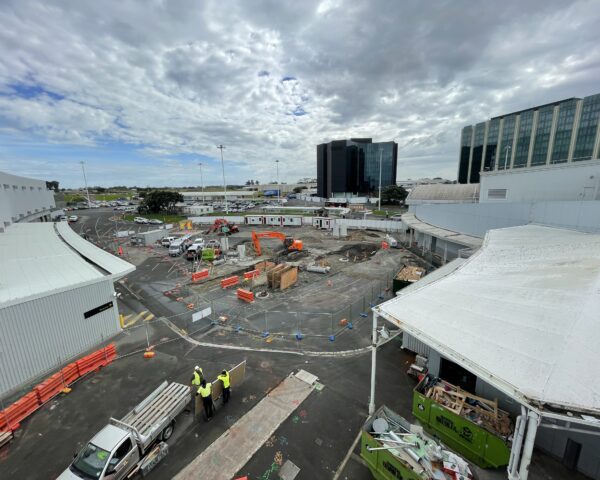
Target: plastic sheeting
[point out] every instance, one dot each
(522, 314)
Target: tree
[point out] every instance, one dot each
(393, 194)
(161, 201)
(297, 189)
(52, 185)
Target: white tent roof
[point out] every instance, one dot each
(522, 313)
(35, 261)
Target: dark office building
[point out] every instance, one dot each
(560, 132)
(351, 167)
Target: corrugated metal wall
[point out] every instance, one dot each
(36, 336)
(411, 343)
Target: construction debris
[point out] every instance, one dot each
(480, 411)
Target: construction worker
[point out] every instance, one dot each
(197, 377)
(224, 377)
(205, 391)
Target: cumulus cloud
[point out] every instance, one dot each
(153, 84)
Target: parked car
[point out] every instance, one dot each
(166, 241)
(155, 221)
(73, 218)
(140, 220)
(63, 218)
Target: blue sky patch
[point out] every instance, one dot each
(31, 91)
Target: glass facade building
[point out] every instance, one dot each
(558, 132)
(352, 167)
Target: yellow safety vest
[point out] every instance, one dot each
(205, 392)
(197, 378)
(224, 379)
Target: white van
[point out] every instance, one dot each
(166, 241)
(176, 247)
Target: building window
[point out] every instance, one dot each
(497, 193)
(542, 136)
(523, 139)
(588, 127)
(491, 145)
(508, 134)
(564, 132)
(477, 152)
(465, 153)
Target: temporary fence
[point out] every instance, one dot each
(13, 415)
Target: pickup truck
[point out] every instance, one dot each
(136, 442)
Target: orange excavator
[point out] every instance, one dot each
(289, 243)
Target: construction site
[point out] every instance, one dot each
(292, 286)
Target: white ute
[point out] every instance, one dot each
(134, 443)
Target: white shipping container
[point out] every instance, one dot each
(273, 220)
(292, 221)
(254, 220)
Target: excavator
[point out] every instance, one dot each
(290, 244)
(223, 227)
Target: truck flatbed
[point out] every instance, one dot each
(147, 420)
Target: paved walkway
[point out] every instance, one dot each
(232, 450)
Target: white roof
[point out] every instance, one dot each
(412, 221)
(444, 193)
(36, 261)
(521, 313)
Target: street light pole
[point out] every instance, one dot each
(85, 182)
(506, 150)
(278, 189)
(201, 182)
(380, 165)
(221, 147)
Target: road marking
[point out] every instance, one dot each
(149, 317)
(135, 319)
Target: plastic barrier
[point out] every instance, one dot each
(245, 295)
(230, 281)
(11, 417)
(99, 358)
(251, 274)
(200, 275)
(49, 388)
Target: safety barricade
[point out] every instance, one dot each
(200, 275)
(251, 274)
(245, 295)
(49, 388)
(11, 417)
(230, 281)
(99, 358)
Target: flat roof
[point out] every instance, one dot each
(38, 259)
(412, 221)
(521, 313)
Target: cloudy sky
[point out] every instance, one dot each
(144, 90)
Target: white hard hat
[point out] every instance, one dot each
(196, 367)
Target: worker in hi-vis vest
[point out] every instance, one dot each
(224, 377)
(205, 391)
(197, 377)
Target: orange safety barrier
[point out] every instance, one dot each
(99, 358)
(251, 274)
(197, 276)
(11, 417)
(49, 388)
(245, 295)
(230, 281)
